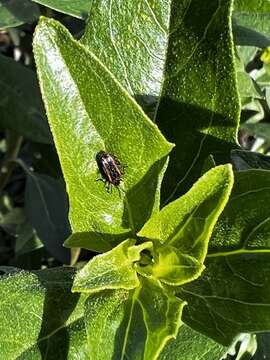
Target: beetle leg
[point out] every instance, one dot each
(100, 178)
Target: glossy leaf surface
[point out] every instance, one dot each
(130, 38)
(199, 110)
(253, 14)
(112, 270)
(182, 240)
(244, 223)
(89, 111)
(191, 345)
(40, 317)
(137, 323)
(232, 296)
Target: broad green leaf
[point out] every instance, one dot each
(254, 14)
(40, 318)
(17, 12)
(181, 230)
(137, 323)
(246, 160)
(89, 111)
(232, 296)
(191, 345)
(244, 224)
(77, 8)
(112, 270)
(199, 110)
(46, 206)
(21, 107)
(130, 38)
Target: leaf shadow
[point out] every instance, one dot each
(188, 126)
(135, 211)
(53, 339)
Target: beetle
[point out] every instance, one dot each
(110, 169)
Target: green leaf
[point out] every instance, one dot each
(254, 14)
(17, 12)
(21, 107)
(181, 230)
(200, 108)
(40, 318)
(112, 270)
(258, 6)
(245, 160)
(131, 40)
(232, 296)
(77, 8)
(46, 206)
(191, 345)
(244, 224)
(137, 324)
(97, 114)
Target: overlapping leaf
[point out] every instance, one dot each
(181, 230)
(40, 317)
(17, 12)
(89, 111)
(192, 345)
(130, 38)
(199, 110)
(112, 270)
(253, 14)
(244, 223)
(137, 323)
(77, 8)
(232, 296)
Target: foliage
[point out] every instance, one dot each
(172, 262)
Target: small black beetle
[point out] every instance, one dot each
(110, 169)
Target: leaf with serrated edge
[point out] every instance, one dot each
(137, 323)
(112, 270)
(181, 230)
(89, 111)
